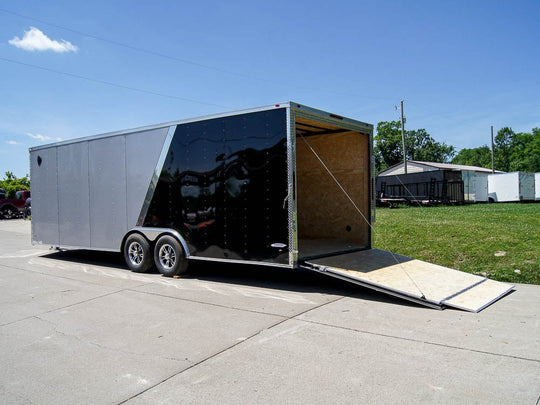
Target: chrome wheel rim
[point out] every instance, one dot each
(135, 253)
(167, 256)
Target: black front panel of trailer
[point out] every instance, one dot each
(223, 187)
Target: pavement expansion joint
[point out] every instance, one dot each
(243, 341)
(421, 341)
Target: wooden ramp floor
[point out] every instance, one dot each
(415, 280)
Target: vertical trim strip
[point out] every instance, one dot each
(155, 176)
(291, 192)
(90, 236)
(57, 198)
(372, 188)
(126, 183)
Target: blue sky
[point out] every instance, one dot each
(70, 69)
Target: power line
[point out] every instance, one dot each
(186, 61)
(121, 86)
(133, 48)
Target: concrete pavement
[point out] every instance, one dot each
(78, 327)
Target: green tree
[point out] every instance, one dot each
(388, 144)
(525, 152)
(10, 176)
(480, 157)
(513, 152)
(503, 148)
(12, 184)
(419, 144)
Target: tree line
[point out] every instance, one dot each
(512, 151)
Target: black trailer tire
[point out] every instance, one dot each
(138, 253)
(169, 256)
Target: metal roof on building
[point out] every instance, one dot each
(435, 166)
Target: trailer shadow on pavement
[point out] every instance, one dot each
(276, 278)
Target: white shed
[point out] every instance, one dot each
(475, 178)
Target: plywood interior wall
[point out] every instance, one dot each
(324, 211)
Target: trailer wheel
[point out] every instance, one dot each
(169, 256)
(138, 254)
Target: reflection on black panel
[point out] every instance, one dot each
(223, 187)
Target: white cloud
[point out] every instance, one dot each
(12, 143)
(43, 138)
(35, 40)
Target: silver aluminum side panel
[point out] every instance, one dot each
(143, 150)
(121, 170)
(44, 197)
(107, 171)
(73, 201)
(158, 167)
(88, 194)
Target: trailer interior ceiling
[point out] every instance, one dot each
(328, 222)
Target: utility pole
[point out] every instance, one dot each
(492, 153)
(403, 139)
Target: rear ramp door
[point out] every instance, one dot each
(425, 283)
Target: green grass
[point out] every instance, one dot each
(500, 241)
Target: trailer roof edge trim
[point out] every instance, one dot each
(335, 119)
(289, 104)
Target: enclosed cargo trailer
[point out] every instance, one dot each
(475, 186)
(537, 186)
(282, 185)
(511, 187)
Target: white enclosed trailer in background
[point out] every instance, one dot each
(537, 186)
(475, 186)
(511, 187)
